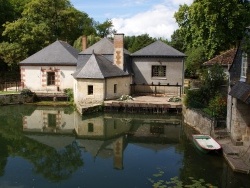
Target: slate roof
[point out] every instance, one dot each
(224, 59)
(104, 47)
(241, 91)
(57, 142)
(98, 67)
(57, 53)
(158, 48)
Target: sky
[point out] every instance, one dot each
(135, 17)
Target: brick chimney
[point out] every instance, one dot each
(119, 50)
(84, 42)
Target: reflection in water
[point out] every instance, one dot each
(49, 120)
(114, 148)
(107, 135)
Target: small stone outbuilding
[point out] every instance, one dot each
(102, 72)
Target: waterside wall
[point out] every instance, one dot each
(8, 99)
(199, 121)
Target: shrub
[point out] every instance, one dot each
(69, 92)
(194, 99)
(27, 92)
(218, 106)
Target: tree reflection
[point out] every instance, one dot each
(55, 165)
(3, 155)
(58, 165)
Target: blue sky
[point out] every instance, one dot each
(135, 17)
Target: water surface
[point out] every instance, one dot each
(56, 147)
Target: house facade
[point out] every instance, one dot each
(49, 70)
(238, 109)
(104, 70)
(158, 65)
(101, 73)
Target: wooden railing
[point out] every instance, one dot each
(11, 86)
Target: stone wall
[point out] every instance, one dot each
(123, 87)
(198, 121)
(15, 99)
(240, 122)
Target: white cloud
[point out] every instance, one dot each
(181, 2)
(157, 22)
(135, 17)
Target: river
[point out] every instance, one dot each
(56, 147)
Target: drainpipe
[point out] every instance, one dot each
(105, 89)
(230, 123)
(183, 72)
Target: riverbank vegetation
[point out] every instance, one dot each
(211, 95)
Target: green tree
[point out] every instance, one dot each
(194, 60)
(129, 41)
(139, 42)
(6, 14)
(42, 22)
(177, 41)
(91, 39)
(18, 7)
(104, 29)
(212, 80)
(215, 25)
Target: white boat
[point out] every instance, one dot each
(206, 143)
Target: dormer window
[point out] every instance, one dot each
(244, 67)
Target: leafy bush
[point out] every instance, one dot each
(125, 97)
(27, 92)
(212, 80)
(218, 106)
(174, 99)
(69, 92)
(194, 99)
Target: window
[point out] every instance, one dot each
(90, 127)
(244, 65)
(51, 120)
(50, 78)
(156, 129)
(115, 88)
(158, 71)
(90, 89)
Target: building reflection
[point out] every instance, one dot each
(49, 120)
(103, 135)
(107, 135)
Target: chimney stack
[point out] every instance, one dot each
(84, 42)
(119, 50)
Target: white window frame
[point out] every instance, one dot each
(244, 65)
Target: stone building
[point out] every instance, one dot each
(158, 64)
(101, 72)
(238, 109)
(50, 69)
(104, 71)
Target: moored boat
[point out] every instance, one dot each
(205, 143)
